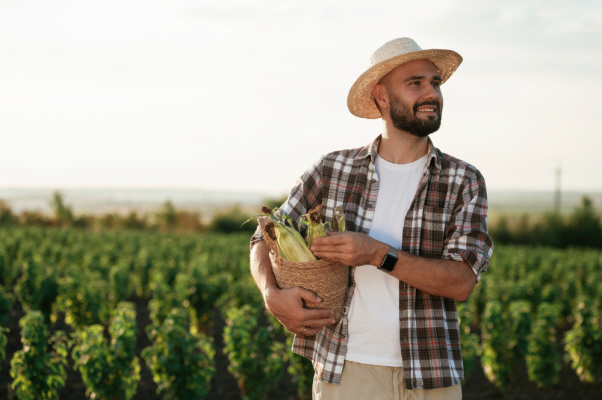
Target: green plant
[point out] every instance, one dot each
(119, 278)
(302, 372)
(7, 274)
(543, 361)
(519, 321)
(200, 291)
(38, 374)
(583, 342)
(109, 371)
(37, 289)
(83, 298)
(496, 360)
(163, 301)
(3, 341)
(471, 348)
(142, 274)
(300, 368)
(256, 358)
(6, 303)
(181, 363)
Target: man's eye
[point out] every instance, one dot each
(436, 84)
(415, 83)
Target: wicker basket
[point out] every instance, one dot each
(328, 279)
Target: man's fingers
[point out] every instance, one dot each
(332, 256)
(334, 238)
(313, 314)
(287, 306)
(308, 295)
(310, 331)
(311, 327)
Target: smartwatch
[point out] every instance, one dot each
(390, 259)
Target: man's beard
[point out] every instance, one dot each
(404, 118)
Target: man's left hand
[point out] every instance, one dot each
(350, 248)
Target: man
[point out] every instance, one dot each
(417, 242)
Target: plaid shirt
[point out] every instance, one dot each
(447, 219)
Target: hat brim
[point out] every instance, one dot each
(360, 100)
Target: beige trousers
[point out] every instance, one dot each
(375, 382)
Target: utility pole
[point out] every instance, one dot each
(557, 193)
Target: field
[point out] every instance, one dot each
(144, 311)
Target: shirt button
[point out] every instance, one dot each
(373, 180)
(370, 205)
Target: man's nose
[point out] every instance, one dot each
(431, 93)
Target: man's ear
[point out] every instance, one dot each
(381, 96)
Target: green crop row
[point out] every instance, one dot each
(537, 306)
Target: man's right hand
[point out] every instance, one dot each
(287, 306)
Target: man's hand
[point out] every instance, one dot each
(350, 248)
(287, 306)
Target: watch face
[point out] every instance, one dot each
(388, 262)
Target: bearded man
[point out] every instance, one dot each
(417, 241)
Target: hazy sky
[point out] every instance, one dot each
(245, 95)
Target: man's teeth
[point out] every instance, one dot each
(428, 109)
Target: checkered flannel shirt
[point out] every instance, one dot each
(447, 219)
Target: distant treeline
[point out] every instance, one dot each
(581, 228)
(166, 219)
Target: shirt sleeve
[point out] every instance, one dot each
(467, 238)
(305, 195)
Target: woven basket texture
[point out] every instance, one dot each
(328, 279)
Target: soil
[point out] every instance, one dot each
(224, 386)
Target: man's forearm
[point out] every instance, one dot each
(261, 268)
(446, 278)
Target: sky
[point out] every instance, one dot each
(246, 95)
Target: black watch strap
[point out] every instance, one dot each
(390, 259)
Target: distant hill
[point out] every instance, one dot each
(105, 200)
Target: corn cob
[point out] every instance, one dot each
(290, 243)
(315, 227)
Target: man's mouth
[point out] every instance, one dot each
(429, 109)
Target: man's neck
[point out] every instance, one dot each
(400, 147)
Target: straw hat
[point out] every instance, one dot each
(384, 60)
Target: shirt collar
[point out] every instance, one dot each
(371, 150)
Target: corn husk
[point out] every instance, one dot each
(290, 242)
(315, 227)
(338, 223)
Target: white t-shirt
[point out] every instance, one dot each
(374, 311)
